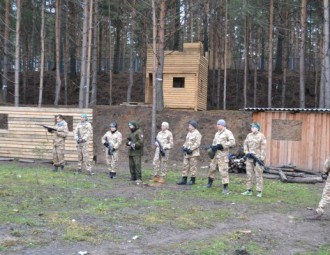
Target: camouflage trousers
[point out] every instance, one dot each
(83, 157)
(222, 164)
(325, 200)
(58, 155)
(254, 171)
(160, 163)
(189, 166)
(112, 161)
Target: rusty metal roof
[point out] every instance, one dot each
(294, 110)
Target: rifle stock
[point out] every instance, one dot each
(161, 148)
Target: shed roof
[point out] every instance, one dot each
(294, 110)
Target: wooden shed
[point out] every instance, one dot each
(184, 78)
(20, 137)
(297, 136)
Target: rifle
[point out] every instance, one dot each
(161, 148)
(79, 136)
(256, 160)
(49, 129)
(109, 146)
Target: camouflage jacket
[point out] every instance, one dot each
(136, 138)
(61, 133)
(226, 139)
(256, 144)
(166, 139)
(84, 132)
(193, 141)
(326, 166)
(114, 138)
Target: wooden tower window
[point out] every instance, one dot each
(178, 82)
(3, 121)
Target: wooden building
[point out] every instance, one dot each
(297, 136)
(184, 78)
(21, 137)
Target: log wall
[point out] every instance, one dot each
(22, 138)
(189, 64)
(309, 144)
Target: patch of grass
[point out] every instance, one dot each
(323, 250)
(79, 232)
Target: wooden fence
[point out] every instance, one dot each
(21, 137)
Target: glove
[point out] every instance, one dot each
(106, 144)
(219, 147)
(214, 147)
(248, 155)
(324, 176)
(189, 151)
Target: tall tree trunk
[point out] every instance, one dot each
(58, 47)
(270, 53)
(326, 55)
(177, 25)
(160, 66)
(72, 31)
(83, 68)
(206, 25)
(255, 59)
(225, 59)
(285, 61)
(42, 53)
(303, 16)
(246, 52)
(131, 54)
(110, 55)
(89, 53)
(17, 50)
(95, 55)
(6, 52)
(154, 66)
(66, 54)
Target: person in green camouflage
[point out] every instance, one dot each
(135, 149)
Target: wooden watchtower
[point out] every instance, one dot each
(184, 78)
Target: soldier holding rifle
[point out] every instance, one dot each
(112, 140)
(163, 143)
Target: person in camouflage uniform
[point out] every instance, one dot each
(59, 137)
(82, 135)
(191, 153)
(135, 149)
(325, 200)
(254, 145)
(112, 140)
(223, 140)
(165, 138)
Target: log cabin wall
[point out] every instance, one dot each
(20, 137)
(185, 78)
(299, 137)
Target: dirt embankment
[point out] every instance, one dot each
(237, 121)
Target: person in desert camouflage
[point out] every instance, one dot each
(59, 135)
(223, 140)
(82, 135)
(112, 140)
(165, 140)
(255, 145)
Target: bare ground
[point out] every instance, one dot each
(275, 229)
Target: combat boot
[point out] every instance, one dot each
(114, 175)
(192, 181)
(55, 168)
(155, 178)
(62, 167)
(209, 184)
(183, 181)
(315, 216)
(111, 175)
(225, 190)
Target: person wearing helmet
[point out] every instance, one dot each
(135, 149)
(82, 135)
(163, 143)
(255, 146)
(223, 140)
(112, 140)
(191, 153)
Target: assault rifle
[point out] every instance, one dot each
(109, 146)
(79, 136)
(49, 129)
(256, 160)
(161, 148)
